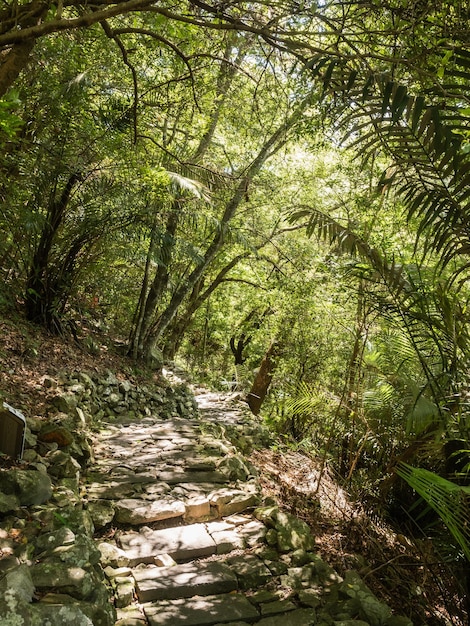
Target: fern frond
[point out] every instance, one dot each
(450, 501)
(190, 185)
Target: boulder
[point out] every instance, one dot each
(234, 467)
(8, 503)
(291, 532)
(65, 403)
(59, 615)
(29, 486)
(102, 512)
(17, 582)
(370, 608)
(63, 465)
(49, 541)
(52, 432)
(52, 573)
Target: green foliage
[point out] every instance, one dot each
(449, 500)
(10, 123)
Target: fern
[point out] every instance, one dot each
(424, 134)
(450, 501)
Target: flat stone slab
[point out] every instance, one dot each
(300, 617)
(230, 501)
(184, 581)
(173, 478)
(220, 609)
(277, 607)
(136, 511)
(181, 543)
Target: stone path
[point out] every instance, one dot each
(187, 539)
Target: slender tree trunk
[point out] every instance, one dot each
(150, 297)
(263, 378)
(349, 453)
(141, 337)
(271, 146)
(139, 313)
(40, 297)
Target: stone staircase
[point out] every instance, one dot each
(188, 540)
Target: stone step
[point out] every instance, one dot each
(192, 476)
(136, 511)
(182, 543)
(201, 611)
(184, 581)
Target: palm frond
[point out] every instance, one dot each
(303, 400)
(189, 185)
(426, 135)
(449, 500)
(349, 242)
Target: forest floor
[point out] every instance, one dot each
(404, 573)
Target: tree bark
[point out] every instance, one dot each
(150, 297)
(40, 296)
(263, 378)
(270, 147)
(13, 62)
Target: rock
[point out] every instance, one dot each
(65, 403)
(14, 611)
(291, 532)
(133, 511)
(310, 597)
(8, 503)
(371, 609)
(102, 512)
(29, 486)
(75, 518)
(350, 622)
(81, 553)
(86, 381)
(112, 555)
(49, 382)
(30, 439)
(197, 508)
(49, 541)
(54, 574)
(63, 465)
(184, 581)
(125, 386)
(234, 467)
(251, 571)
(114, 399)
(298, 577)
(229, 501)
(52, 432)
(397, 620)
(31, 456)
(181, 543)
(125, 590)
(17, 582)
(300, 557)
(276, 607)
(59, 615)
(299, 617)
(202, 611)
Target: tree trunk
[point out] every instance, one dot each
(263, 378)
(271, 146)
(149, 298)
(40, 304)
(142, 338)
